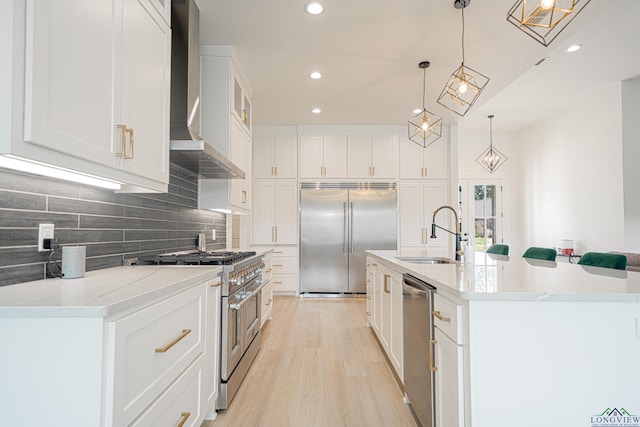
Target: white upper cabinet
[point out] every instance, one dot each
(323, 157)
(275, 157)
(275, 215)
(241, 104)
(372, 157)
(420, 163)
(418, 200)
(96, 95)
(223, 128)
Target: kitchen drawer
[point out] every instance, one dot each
(280, 251)
(447, 317)
(180, 401)
(369, 298)
(152, 347)
(286, 283)
(284, 265)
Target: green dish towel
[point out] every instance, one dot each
(498, 249)
(598, 259)
(540, 253)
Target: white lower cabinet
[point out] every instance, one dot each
(151, 348)
(387, 312)
(449, 381)
(211, 370)
(267, 292)
(285, 270)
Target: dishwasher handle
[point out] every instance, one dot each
(416, 284)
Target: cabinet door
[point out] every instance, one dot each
(396, 346)
(267, 304)
(449, 381)
(436, 160)
(263, 232)
(435, 195)
(212, 345)
(286, 213)
(311, 157)
(263, 158)
(359, 156)
(285, 155)
(69, 78)
(411, 210)
(385, 309)
(241, 156)
(384, 156)
(335, 156)
(144, 90)
(377, 298)
(411, 159)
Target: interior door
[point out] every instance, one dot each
(372, 225)
(323, 241)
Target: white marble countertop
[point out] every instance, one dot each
(495, 277)
(100, 293)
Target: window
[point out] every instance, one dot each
(485, 216)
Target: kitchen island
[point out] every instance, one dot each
(520, 342)
(121, 346)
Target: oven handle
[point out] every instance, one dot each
(247, 297)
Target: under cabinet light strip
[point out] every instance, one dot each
(29, 166)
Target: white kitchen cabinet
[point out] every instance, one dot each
(372, 157)
(275, 214)
(224, 131)
(387, 314)
(241, 103)
(146, 353)
(370, 284)
(275, 157)
(267, 292)
(418, 200)
(417, 162)
(211, 372)
(285, 270)
(448, 381)
(96, 103)
(323, 157)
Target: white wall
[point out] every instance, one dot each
(631, 171)
(569, 180)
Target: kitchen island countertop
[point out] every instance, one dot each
(495, 277)
(100, 293)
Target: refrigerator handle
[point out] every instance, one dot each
(345, 229)
(351, 228)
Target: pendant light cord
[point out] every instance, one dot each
(424, 87)
(462, 36)
(491, 132)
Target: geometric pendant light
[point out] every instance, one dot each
(425, 127)
(465, 84)
(491, 159)
(544, 20)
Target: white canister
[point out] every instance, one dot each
(469, 254)
(73, 261)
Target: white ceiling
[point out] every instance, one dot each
(368, 52)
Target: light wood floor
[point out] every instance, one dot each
(319, 365)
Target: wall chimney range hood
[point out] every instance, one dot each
(188, 149)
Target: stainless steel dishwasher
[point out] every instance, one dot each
(419, 386)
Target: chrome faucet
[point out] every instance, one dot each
(457, 233)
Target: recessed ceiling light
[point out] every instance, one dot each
(574, 47)
(314, 8)
(315, 75)
(316, 111)
(417, 110)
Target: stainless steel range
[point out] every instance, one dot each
(241, 301)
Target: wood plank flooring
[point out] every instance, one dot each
(319, 365)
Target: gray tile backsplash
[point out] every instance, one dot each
(112, 226)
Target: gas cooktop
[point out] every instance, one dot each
(197, 258)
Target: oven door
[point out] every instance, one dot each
(251, 310)
(232, 334)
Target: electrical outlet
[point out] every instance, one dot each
(45, 231)
(213, 234)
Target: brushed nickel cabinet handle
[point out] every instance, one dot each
(269, 303)
(373, 171)
(278, 265)
(245, 118)
(440, 316)
(276, 174)
(386, 284)
(432, 366)
(277, 282)
(244, 196)
(216, 284)
(185, 416)
(166, 348)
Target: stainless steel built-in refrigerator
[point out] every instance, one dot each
(338, 223)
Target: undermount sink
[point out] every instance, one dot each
(425, 260)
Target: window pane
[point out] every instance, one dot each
(491, 200)
(491, 236)
(479, 200)
(479, 234)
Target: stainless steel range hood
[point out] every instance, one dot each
(188, 149)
